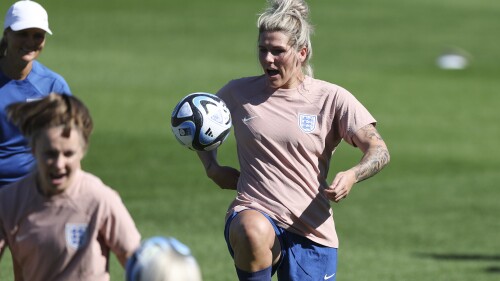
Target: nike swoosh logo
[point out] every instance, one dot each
(246, 119)
(328, 276)
(32, 99)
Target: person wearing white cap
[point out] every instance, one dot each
(22, 79)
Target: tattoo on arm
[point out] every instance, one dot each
(375, 158)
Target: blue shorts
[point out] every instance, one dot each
(301, 259)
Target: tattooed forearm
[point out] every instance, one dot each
(373, 161)
(375, 157)
(369, 132)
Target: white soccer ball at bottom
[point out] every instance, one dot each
(162, 259)
(201, 121)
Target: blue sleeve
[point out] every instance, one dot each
(61, 87)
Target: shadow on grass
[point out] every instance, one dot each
(493, 269)
(465, 257)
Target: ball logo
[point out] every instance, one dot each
(185, 132)
(307, 122)
(212, 110)
(209, 133)
(217, 117)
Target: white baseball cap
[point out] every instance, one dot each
(26, 14)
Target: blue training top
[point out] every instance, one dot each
(16, 159)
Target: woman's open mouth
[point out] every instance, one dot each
(272, 72)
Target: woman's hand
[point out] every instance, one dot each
(341, 186)
(375, 157)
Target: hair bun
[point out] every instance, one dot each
(299, 7)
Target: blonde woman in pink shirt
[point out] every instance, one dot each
(287, 126)
(60, 222)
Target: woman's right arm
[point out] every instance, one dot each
(225, 177)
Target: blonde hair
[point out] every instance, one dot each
(51, 111)
(292, 18)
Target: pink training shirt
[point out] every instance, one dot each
(67, 236)
(285, 140)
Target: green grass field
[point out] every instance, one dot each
(432, 214)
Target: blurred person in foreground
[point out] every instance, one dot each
(22, 79)
(60, 222)
(287, 125)
(162, 259)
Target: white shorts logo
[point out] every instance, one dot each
(327, 277)
(76, 235)
(307, 123)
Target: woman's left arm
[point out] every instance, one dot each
(375, 157)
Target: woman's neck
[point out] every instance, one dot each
(13, 70)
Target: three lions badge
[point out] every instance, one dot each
(307, 122)
(76, 235)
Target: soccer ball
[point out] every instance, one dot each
(201, 121)
(452, 61)
(162, 259)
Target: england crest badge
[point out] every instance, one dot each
(76, 235)
(307, 122)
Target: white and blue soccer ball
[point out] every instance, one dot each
(162, 259)
(201, 121)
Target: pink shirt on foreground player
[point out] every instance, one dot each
(60, 222)
(286, 147)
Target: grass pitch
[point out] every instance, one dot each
(432, 214)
